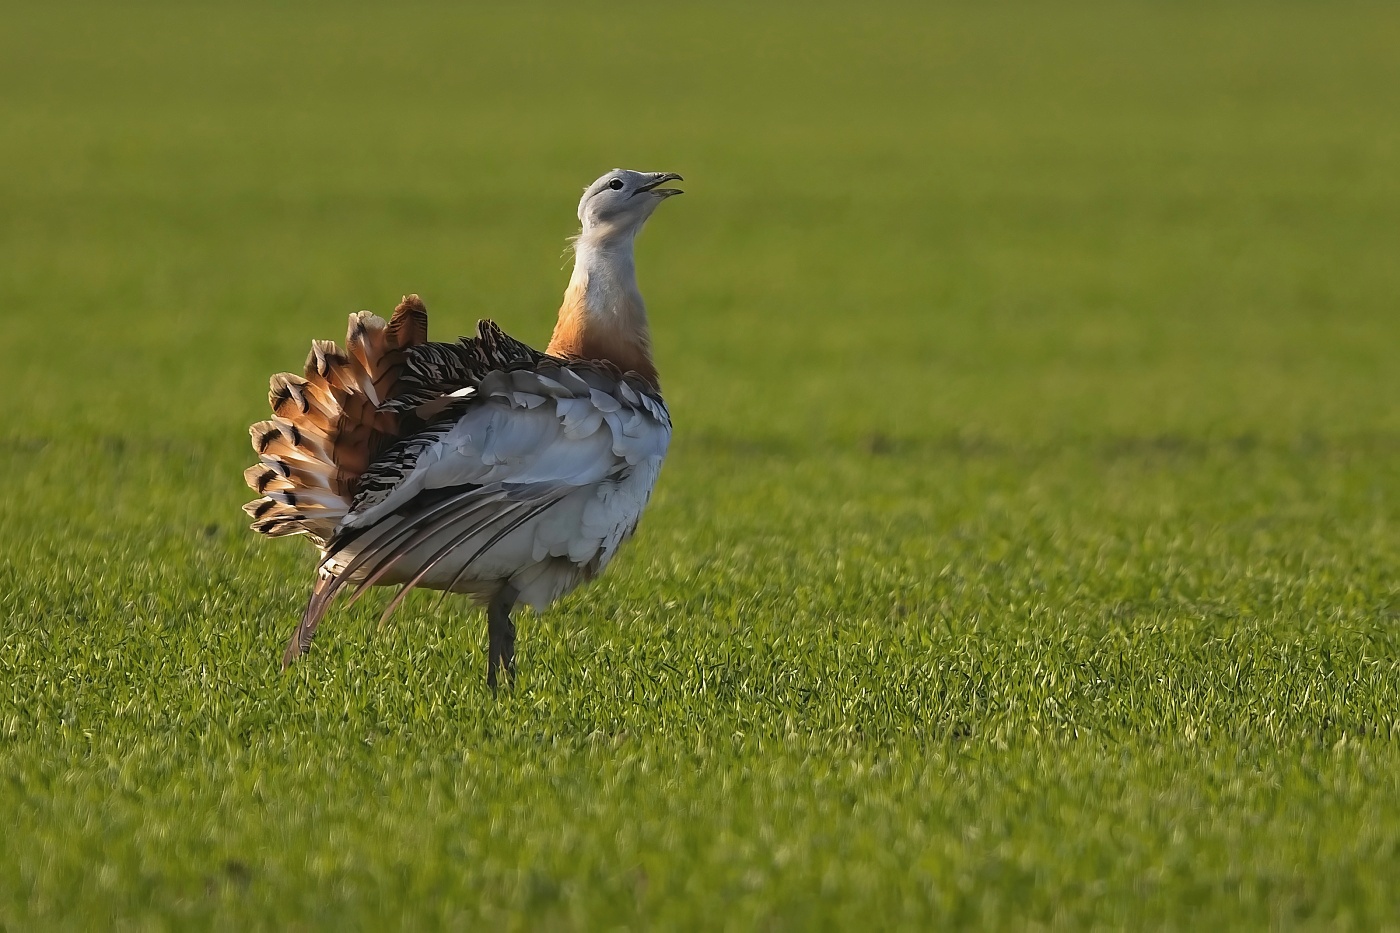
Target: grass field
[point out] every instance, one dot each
(1029, 549)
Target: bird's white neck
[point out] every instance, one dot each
(603, 316)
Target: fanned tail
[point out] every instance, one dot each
(329, 424)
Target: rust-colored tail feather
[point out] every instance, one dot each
(329, 424)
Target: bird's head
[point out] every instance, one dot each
(621, 201)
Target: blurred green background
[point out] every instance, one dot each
(1027, 553)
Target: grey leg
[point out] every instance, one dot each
(502, 636)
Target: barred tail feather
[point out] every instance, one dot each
(329, 424)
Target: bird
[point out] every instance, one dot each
(481, 467)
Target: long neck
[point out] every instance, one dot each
(603, 317)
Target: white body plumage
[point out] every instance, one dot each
(592, 455)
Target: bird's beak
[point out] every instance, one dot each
(658, 179)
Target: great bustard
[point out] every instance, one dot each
(483, 466)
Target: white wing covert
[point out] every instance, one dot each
(534, 477)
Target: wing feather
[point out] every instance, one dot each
(516, 515)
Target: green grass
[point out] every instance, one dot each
(1028, 553)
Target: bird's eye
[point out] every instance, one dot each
(615, 184)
